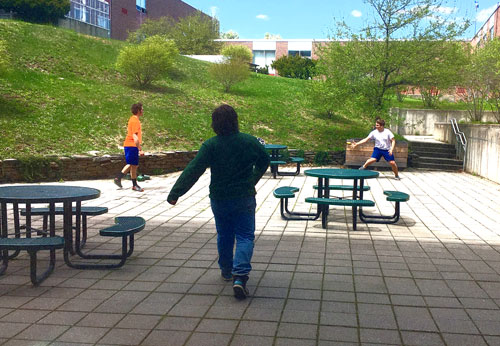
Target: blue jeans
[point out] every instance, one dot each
(235, 219)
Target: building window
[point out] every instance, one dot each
(302, 53)
(264, 58)
(94, 12)
(140, 5)
(492, 33)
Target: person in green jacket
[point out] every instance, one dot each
(237, 161)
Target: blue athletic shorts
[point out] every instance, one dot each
(131, 155)
(378, 153)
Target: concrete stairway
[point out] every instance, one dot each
(434, 155)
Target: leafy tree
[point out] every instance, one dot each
(194, 34)
(439, 69)
(37, 11)
(147, 61)
(229, 73)
(294, 66)
(237, 52)
(369, 67)
(230, 35)
(152, 27)
(481, 80)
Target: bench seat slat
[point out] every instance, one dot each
(45, 243)
(297, 159)
(277, 163)
(344, 202)
(125, 225)
(344, 187)
(285, 192)
(396, 196)
(85, 210)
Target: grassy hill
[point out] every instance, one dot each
(63, 96)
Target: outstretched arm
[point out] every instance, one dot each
(354, 144)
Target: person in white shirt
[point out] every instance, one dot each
(384, 146)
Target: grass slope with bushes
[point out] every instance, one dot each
(63, 96)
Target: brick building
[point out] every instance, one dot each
(118, 17)
(489, 30)
(266, 51)
(128, 15)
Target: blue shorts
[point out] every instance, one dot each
(378, 153)
(131, 155)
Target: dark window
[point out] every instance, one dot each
(302, 53)
(140, 5)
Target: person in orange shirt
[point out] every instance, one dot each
(132, 147)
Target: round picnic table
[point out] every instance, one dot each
(51, 194)
(325, 174)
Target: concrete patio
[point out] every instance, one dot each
(431, 279)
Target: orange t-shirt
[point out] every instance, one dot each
(134, 126)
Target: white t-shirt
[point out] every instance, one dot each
(382, 139)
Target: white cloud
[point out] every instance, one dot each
(443, 9)
(214, 10)
(262, 16)
(356, 13)
(483, 15)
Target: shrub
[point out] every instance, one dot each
(37, 11)
(262, 70)
(321, 158)
(294, 67)
(229, 73)
(239, 53)
(148, 61)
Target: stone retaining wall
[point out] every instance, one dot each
(89, 167)
(102, 167)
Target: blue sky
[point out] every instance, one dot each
(313, 18)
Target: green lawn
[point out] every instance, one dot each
(63, 96)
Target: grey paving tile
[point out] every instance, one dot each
(166, 338)
(37, 332)
(96, 319)
(216, 325)
(330, 333)
(83, 334)
(147, 322)
(118, 336)
(380, 336)
(251, 340)
(422, 339)
(414, 318)
(208, 339)
(461, 339)
(257, 328)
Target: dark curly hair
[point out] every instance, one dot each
(225, 120)
(136, 108)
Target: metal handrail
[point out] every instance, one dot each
(461, 144)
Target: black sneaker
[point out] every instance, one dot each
(240, 288)
(226, 276)
(118, 182)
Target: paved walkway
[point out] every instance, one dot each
(431, 279)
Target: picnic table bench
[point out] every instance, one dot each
(84, 212)
(125, 227)
(32, 245)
